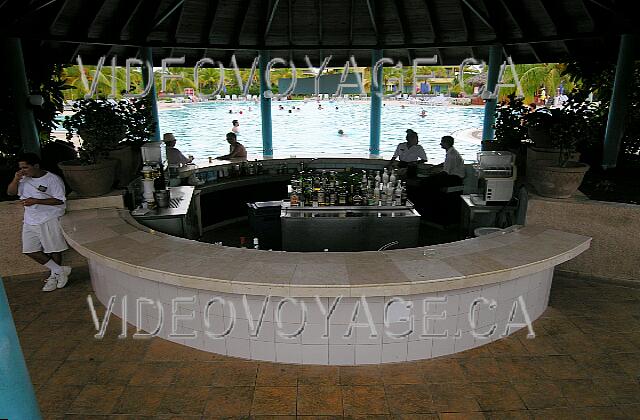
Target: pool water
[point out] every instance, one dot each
(309, 132)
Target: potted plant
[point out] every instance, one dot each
(570, 127)
(108, 131)
(139, 122)
(100, 126)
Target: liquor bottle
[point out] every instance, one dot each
(321, 196)
(382, 193)
(403, 195)
(388, 195)
(397, 196)
(393, 177)
(333, 196)
(301, 198)
(252, 170)
(314, 198)
(256, 245)
(357, 199)
(342, 197)
(385, 177)
(378, 179)
(371, 200)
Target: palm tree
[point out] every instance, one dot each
(535, 76)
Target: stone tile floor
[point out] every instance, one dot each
(584, 363)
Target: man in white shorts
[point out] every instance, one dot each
(43, 196)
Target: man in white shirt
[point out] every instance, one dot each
(174, 156)
(451, 172)
(409, 152)
(43, 196)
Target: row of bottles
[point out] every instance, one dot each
(330, 188)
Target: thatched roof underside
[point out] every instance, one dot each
(528, 30)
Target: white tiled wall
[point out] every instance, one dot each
(257, 335)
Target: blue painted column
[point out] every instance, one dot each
(376, 105)
(495, 60)
(19, 88)
(147, 57)
(619, 102)
(17, 399)
(265, 107)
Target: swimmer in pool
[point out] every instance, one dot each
(423, 113)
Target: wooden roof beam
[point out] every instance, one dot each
(465, 25)
(238, 20)
(552, 11)
(484, 19)
(212, 9)
(372, 19)
(274, 8)
(522, 23)
(433, 20)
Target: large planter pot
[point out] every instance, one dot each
(129, 159)
(90, 180)
(552, 180)
(535, 154)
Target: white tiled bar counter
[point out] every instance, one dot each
(359, 308)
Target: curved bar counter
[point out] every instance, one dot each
(338, 308)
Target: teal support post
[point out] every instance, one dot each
(19, 91)
(495, 60)
(147, 58)
(619, 102)
(17, 398)
(265, 107)
(376, 105)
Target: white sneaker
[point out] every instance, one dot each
(63, 276)
(51, 275)
(52, 283)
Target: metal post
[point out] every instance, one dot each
(495, 58)
(376, 105)
(147, 57)
(19, 88)
(17, 399)
(265, 107)
(619, 102)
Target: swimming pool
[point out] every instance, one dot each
(201, 127)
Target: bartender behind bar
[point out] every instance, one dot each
(408, 153)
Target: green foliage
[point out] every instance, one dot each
(598, 78)
(509, 127)
(103, 124)
(576, 126)
(48, 80)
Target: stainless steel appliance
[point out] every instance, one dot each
(180, 218)
(496, 173)
(349, 228)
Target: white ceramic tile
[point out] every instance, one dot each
(507, 290)
(338, 335)
(167, 292)
(288, 352)
(465, 342)
(262, 332)
(418, 350)
(369, 334)
(315, 334)
(394, 352)
(315, 314)
(237, 347)
(467, 299)
(289, 333)
(290, 311)
(368, 354)
(397, 332)
(218, 346)
(257, 308)
(343, 311)
(448, 326)
(342, 354)
(189, 318)
(315, 354)
(263, 350)
(218, 326)
(240, 329)
(442, 346)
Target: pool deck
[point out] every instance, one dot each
(583, 363)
